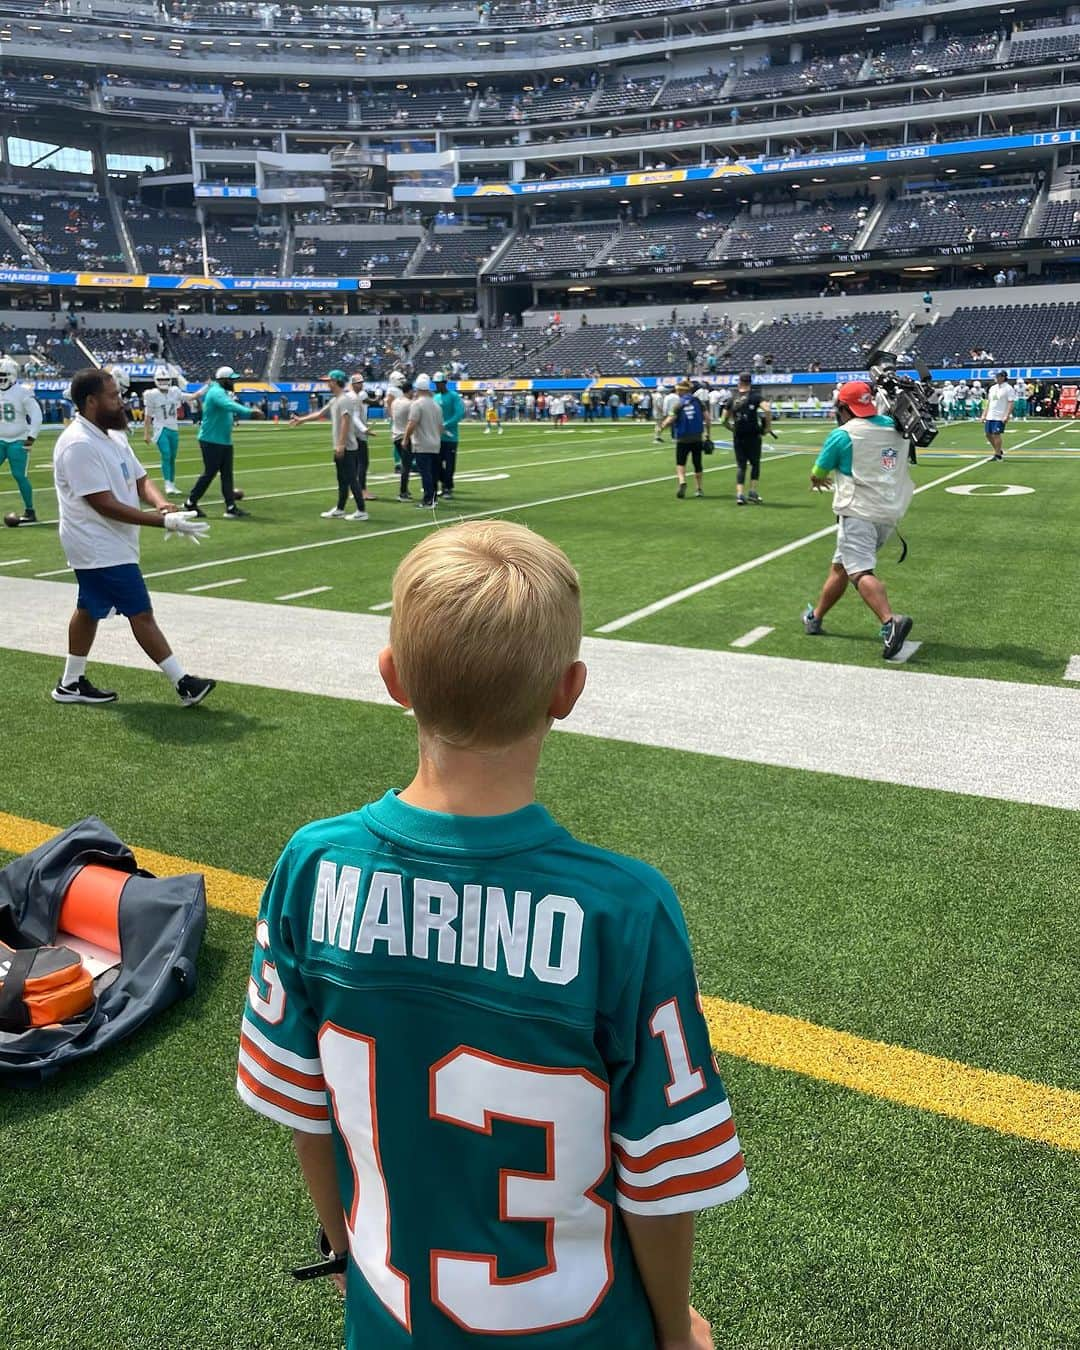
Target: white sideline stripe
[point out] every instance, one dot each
(748, 639)
(986, 738)
(1072, 670)
(214, 585)
(389, 604)
(709, 582)
(906, 652)
(432, 522)
(13, 562)
(297, 595)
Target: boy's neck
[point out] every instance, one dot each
(474, 782)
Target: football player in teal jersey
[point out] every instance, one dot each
(20, 422)
(485, 1034)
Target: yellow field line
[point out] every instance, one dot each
(995, 1101)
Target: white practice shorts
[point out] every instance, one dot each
(858, 542)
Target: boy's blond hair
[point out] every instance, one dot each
(486, 619)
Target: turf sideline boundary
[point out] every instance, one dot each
(980, 1097)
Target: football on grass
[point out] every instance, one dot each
(12, 519)
(238, 494)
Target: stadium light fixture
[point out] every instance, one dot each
(987, 166)
(206, 42)
(431, 46)
(303, 85)
(65, 30)
(950, 170)
(148, 37)
(624, 201)
(818, 180)
(842, 274)
(875, 178)
(678, 194)
(711, 281)
(48, 77)
(33, 28)
(235, 44)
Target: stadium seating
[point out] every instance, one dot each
(1060, 217)
(346, 257)
(199, 352)
(69, 231)
(822, 72)
(310, 354)
(557, 247)
(164, 240)
(628, 93)
(683, 236)
(691, 90)
(1058, 47)
(940, 218)
(484, 355)
(120, 344)
(242, 253)
(57, 348)
(830, 227)
(1009, 334)
(461, 252)
(907, 60)
(302, 108)
(830, 344)
(632, 349)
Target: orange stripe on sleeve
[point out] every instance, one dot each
(279, 1099)
(314, 1082)
(682, 1148)
(685, 1185)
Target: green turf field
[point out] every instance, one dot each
(976, 578)
(145, 1208)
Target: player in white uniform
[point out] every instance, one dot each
(20, 422)
(161, 426)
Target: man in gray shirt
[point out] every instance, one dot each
(341, 410)
(423, 436)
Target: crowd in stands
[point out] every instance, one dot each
(820, 72)
(243, 252)
(828, 227)
(677, 236)
(322, 346)
(68, 231)
(906, 60)
(480, 353)
(459, 252)
(633, 349)
(550, 247)
(200, 351)
(345, 257)
(53, 349)
(937, 218)
(164, 240)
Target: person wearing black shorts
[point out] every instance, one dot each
(749, 418)
(690, 420)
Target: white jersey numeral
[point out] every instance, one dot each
(270, 1005)
(472, 1089)
(348, 1061)
(686, 1081)
(571, 1107)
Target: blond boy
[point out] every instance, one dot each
(486, 1035)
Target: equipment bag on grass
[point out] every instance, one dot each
(91, 947)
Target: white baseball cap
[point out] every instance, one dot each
(439, 377)
(422, 382)
(225, 373)
(396, 377)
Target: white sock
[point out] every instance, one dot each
(74, 669)
(173, 671)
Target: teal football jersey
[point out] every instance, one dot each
(500, 1026)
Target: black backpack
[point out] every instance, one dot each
(745, 418)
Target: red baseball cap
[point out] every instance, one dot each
(857, 397)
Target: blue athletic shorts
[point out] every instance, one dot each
(994, 428)
(104, 591)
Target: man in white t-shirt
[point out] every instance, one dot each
(999, 406)
(668, 407)
(101, 489)
(343, 410)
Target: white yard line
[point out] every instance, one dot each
(215, 585)
(696, 589)
(427, 523)
(298, 595)
(754, 635)
(389, 604)
(13, 562)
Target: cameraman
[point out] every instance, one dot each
(873, 491)
(749, 419)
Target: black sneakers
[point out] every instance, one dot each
(190, 506)
(29, 517)
(893, 634)
(192, 689)
(680, 491)
(234, 513)
(82, 691)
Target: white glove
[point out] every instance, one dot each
(186, 522)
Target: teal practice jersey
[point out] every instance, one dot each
(500, 1026)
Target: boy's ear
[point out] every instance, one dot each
(567, 691)
(388, 671)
